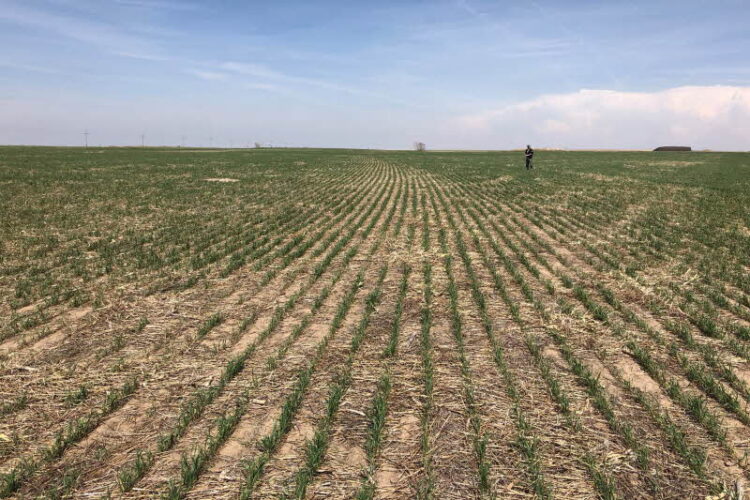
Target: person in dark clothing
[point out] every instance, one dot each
(529, 153)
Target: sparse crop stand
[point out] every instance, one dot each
(305, 323)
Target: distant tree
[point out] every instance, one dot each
(420, 146)
(258, 145)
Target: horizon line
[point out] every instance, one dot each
(441, 150)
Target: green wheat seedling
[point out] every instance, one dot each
(75, 397)
(268, 444)
(315, 448)
(144, 255)
(73, 432)
(556, 390)
(212, 322)
(128, 476)
(193, 409)
(694, 456)
(64, 487)
(703, 322)
(478, 435)
(426, 486)
(259, 251)
(192, 465)
(695, 372)
(600, 399)
(701, 378)
(390, 349)
(527, 443)
(686, 293)
(693, 405)
(19, 403)
(425, 224)
(603, 481)
(376, 416)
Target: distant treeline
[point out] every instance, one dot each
(673, 148)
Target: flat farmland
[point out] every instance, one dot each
(281, 323)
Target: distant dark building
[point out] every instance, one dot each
(673, 148)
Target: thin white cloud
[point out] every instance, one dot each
(105, 36)
(28, 67)
(710, 116)
(263, 86)
(467, 7)
(266, 73)
(160, 4)
(206, 75)
(251, 69)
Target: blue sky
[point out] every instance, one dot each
(454, 74)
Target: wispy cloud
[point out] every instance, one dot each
(467, 7)
(106, 36)
(251, 69)
(161, 4)
(264, 72)
(263, 86)
(206, 75)
(28, 67)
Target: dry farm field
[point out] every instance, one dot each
(282, 323)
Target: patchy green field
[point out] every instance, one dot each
(359, 324)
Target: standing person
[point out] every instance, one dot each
(529, 153)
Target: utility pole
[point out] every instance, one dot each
(210, 141)
(182, 141)
(86, 139)
(143, 140)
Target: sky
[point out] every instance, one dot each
(454, 74)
